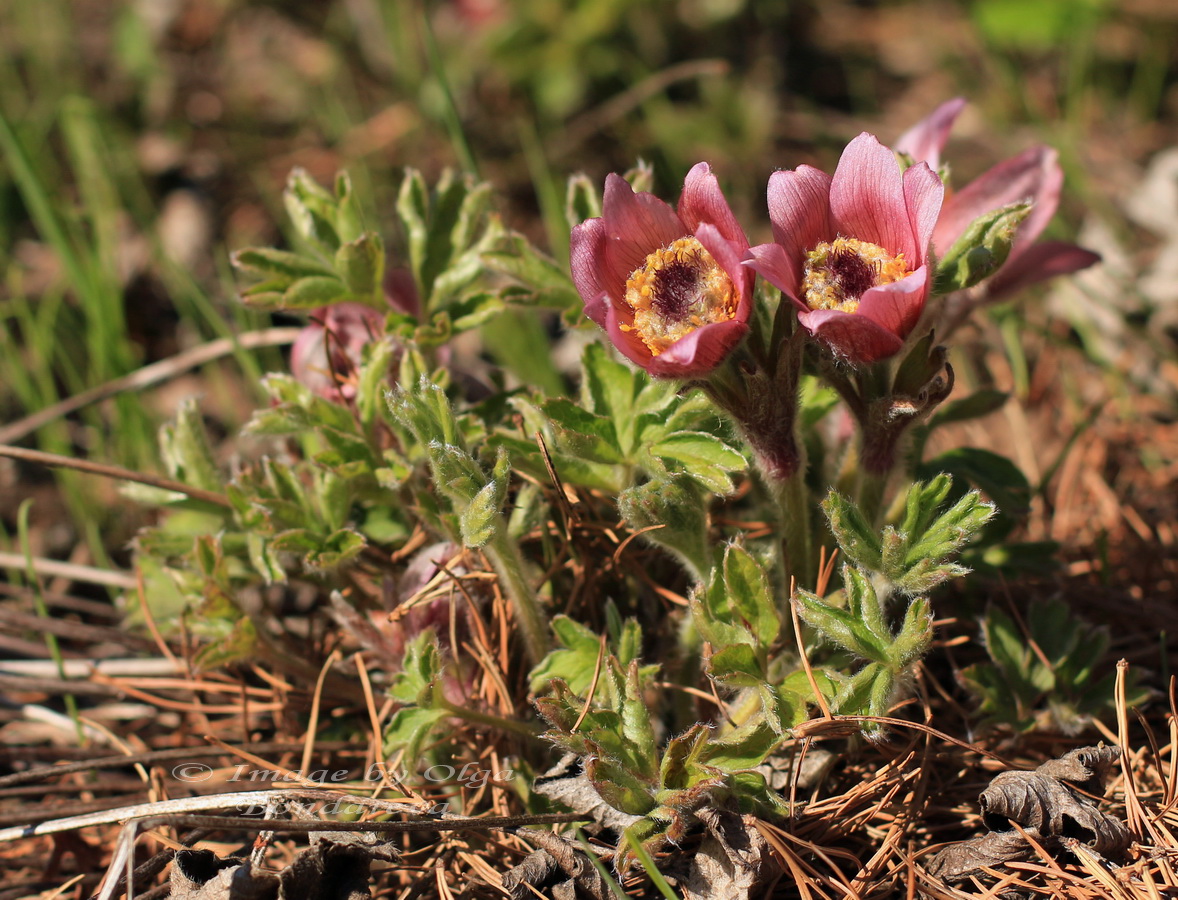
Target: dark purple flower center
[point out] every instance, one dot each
(678, 289)
(675, 290)
(839, 272)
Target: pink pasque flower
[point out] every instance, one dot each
(668, 287)
(326, 355)
(852, 251)
(1034, 175)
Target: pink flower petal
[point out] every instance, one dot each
(636, 225)
(1034, 174)
(799, 208)
(629, 344)
(586, 250)
(925, 140)
(897, 307)
(729, 256)
(1038, 263)
(923, 193)
(699, 352)
(703, 201)
(770, 262)
(867, 197)
(855, 338)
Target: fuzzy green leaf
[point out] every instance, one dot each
(582, 433)
(748, 586)
(360, 263)
(840, 627)
(185, 449)
(582, 200)
(480, 519)
(703, 456)
(676, 514)
(737, 666)
(281, 266)
(856, 538)
(313, 291)
(982, 248)
(619, 787)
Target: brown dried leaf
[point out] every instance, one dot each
(560, 864)
(1043, 800)
(1046, 805)
(733, 861)
(327, 870)
(967, 858)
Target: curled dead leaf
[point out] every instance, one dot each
(1049, 808)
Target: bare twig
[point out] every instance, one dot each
(108, 471)
(148, 375)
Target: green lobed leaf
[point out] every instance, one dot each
(185, 449)
(863, 604)
(582, 200)
(583, 433)
(856, 538)
(714, 614)
(671, 512)
(573, 661)
(982, 248)
(703, 456)
(481, 518)
(314, 291)
(637, 725)
(360, 263)
(312, 210)
(609, 389)
(339, 547)
(619, 787)
(516, 257)
(747, 585)
(840, 627)
(349, 218)
(682, 754)
(409, 729)
(421, 667)
(742, 748)
(952, 529)
(737, 666)
(279, 266)
(914, 636)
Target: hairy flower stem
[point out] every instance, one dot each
(794, 507)
(504, 556)
(872, 487)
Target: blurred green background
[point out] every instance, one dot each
(141, 142)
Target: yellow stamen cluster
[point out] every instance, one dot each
(839, 272)
(678, 289)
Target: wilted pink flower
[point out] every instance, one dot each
(668, 287)
(327, 354)
(852, 251)
(385, 634)
(1034, 175)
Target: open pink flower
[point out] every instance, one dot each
(1034, 175)
(852, 251)
(668, 287)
